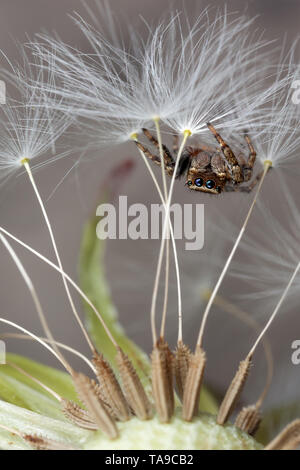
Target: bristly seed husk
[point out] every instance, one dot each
(249, 419)
(162, 380)
(110, 388)
(88, 392)
(182, 364)
(234, 390)
(78, 415)
(191, 394)
(133, 388)
(288, 439)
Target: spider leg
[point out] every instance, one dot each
(247, 169)
(168, 159)
(169, 165)
(232, 162)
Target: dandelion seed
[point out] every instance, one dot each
(87, 391)
(110, 388)
(29, 126)
(133, 388)
(240, 377)
(78, 416)
(288, 439)
(28, 132)
(249, 419)
(234, 390)
(71, 410)
(162, 362)
(182, 364)
(192, 388)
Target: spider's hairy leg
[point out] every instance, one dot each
(247, 170)
(147, 152)
(168, 159)
(169, 166)
(237, 174)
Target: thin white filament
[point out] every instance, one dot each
(173, 245)
(76, 287)
(167, 266)
(44, 212)
(230, 257)
(32, 291)
(45, 387)
(268, 324)
(43, 343)
(161, 252)
(60, 345)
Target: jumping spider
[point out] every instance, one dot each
(205, 168)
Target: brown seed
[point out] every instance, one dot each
(162, 380)
(191, 394)
(234, 390)
(110, 389)
(182, 363)
(288, 439)
(78, 416)
(133, 388)
(41, 443)
(249, 419)
(88, 392)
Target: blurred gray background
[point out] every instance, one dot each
(131, 265)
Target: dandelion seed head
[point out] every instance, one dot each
(184, 74)
(273, 123)
(29, 127)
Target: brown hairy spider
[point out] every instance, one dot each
(205, 168)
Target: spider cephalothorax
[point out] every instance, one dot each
(207, 169)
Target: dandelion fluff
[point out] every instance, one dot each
(185, 74)
(29, 126)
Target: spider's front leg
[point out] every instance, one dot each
(168, 159)
(232, 162)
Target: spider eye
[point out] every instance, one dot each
(199, 182)
(189, 183)
(218, 189)
(210, 184)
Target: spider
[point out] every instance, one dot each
(205, 168)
